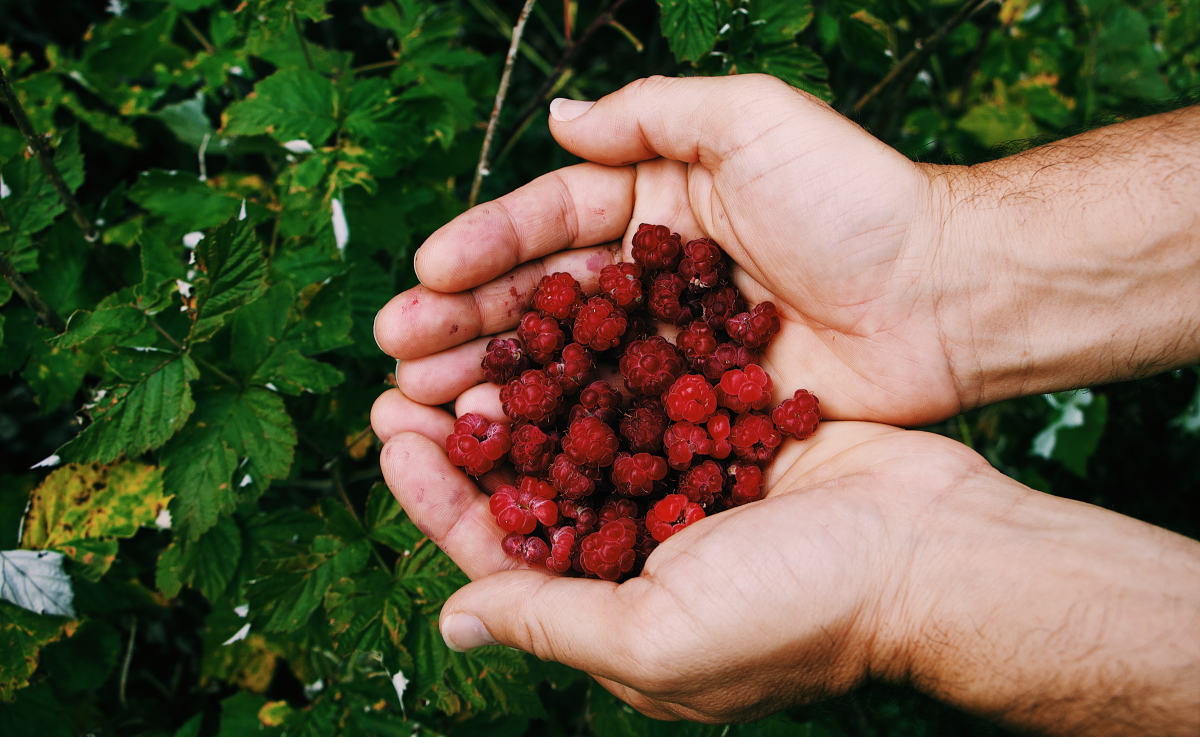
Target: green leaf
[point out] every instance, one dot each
(180, 198)
(190, 124)
(289, 105)
(80, 510)
(1074, 430)
(287, 591)
(103, 328)
(690, 27)
(22, 635)
(191, 728)
(993, 123)
(386, 522)
(32, 203)
(161, 269)
(239, 717)
(84, 661)
(1188, 421)
(234, 272)
(368, 613)
(206, 564)
(149, 404)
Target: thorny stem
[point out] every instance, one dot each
(341, 490)
(128, 660)
(303, 40)
(196, 32)
(38, 144)
(921, 51)
(44, 311)
(513, 46)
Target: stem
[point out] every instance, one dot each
(196, 32)
(914, 59)
(376, 65)
(195, 358)
(128, 660)
(567, 21)
(346, 449)
(303, 40)
(38, 144)
(628, 34)
(481, 167)
(44, 311)
(341, 490)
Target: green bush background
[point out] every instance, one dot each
(243, 409)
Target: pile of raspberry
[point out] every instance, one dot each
(607, 470)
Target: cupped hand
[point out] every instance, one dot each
(841, 232)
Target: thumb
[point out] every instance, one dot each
(578, 622)
(691, 119)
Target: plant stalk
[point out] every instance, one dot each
(44, 311)
(303, 41)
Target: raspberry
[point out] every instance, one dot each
(564, 548)
(798, 416)
(573, 368)
(532, 550)
(665, 292)
(520, 510)
(755, 438)
(571, 480)
(618, 509)
(703, 265)
(719, 305)
(477, 444)
(671, 515)
(532, 449)
(622, 284)
(649, 401)
(586, 519)
(656, 247)
(559, 296)
(503, 360)
(747, 483)
(727, 356)
(609, 553)
(600, 324)
(682, 442)
(532, 396)
(590, 442)
(638, 475)
(650, 366)
(690, 398)
(697, 342)
(742, 390)
(756, 328)
(719, 429)
(702, 483)
(598, 400)
(644, 428)
(542, 336)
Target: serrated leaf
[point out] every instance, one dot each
(287, 591)
(32, 203)
(180, 198)
(81, 510)
(102, 328)
(690, 27)
(207, 564)
(142, 412)
(22, 635)
(386, 522)
(369, 613)
(35, 580)
(292, 104)
(233, 269)
(994, 123)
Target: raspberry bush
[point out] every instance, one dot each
(187, 365)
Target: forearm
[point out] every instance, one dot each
(1076, 263)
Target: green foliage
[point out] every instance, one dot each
(218, 502)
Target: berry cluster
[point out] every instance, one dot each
(605, 475)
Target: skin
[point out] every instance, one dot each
(908, 293)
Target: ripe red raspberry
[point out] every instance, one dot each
(608, 554)
(622, 284)
(703, 265)
(650, 366)
(572, 480)
(798, 416)
(697, 342)
(755, 438)
(532, 550)
(559, 296)
(520, 510)
(598, 399)
(720, 428)
(656, 247)
(573, 368)
(702, 483)
(586, 519)
(503, 360)
(600, 324)
(690, 398)
(742, 390)
(542, 336)
(616, 509)
(756, 328)
(591, 442)
(532, 449)
(721, 304)
(663, 302)
(638, 475)
(477, 444)
(747, 483)
(564, 548)
(727, 356)
(643, 428)
(683, 441)
(650, 401)
(669, 516)
(533, 396)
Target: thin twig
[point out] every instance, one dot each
(44, 311)
(513, 46)
(567, 21)
(303, 40)
(199, 36)
(921, 50)
(128, 660)
(376, 65)
(341, 490)
(38, 144)
(236, 384)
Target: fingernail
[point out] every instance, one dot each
(396, 373)
(462, 632)
(564, 110)
(374, 334)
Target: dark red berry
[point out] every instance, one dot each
(573, 368)
(720, 428)
(683, 442)
(564, 548)
(690, 398)
(572, 480)
(742, 390)
(503, 360)
(521, 509)
(726, 356)
(542, 336)
(608, 554)
(532, 449)
(697, 342)
(663, 302)
(703, 265)
(755, 438)
(638, 475)
(586, 519)
(590, 442)
(533, 396)
(747, 480)
(599, 324)
(532, 550)
(798, 416)
(598, 399)
(622, 284)
(756, 328)
(719, 305)
(671, 515)
(643, 428)
(477, 444)
(656, 247)
(702, 483)
(650, 366)
(616, 509)
(559, 296)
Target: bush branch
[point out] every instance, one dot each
(38, 145)
(44, 311)
(509, 61)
